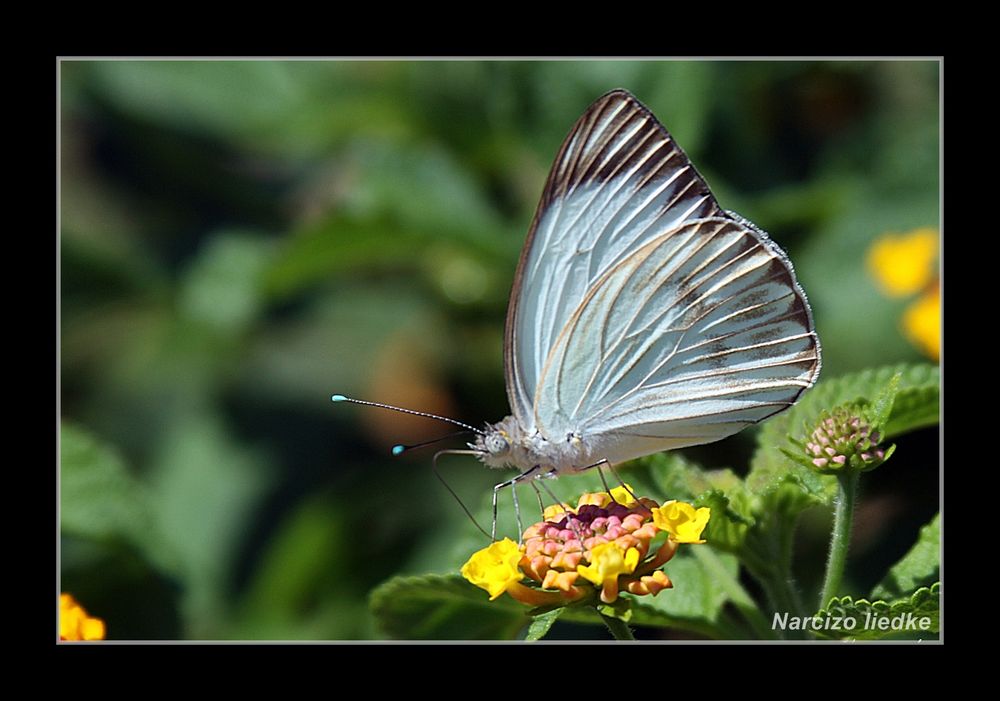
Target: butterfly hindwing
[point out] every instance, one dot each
(691, 338)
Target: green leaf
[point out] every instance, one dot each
(262, 106)
(542, 623)
(443, 607)
(407, 206)
(222, 287)
(345, 244)
(673, 476)
(755, 528)
(337, 245)
(446, 607)
(206, 484)
(731, 519)
(644, 612)
(919, 567)
(300, 588)
(420, 186)
(913, 617)
(100, 500)
(696, 601)
(881, 408)
(914, 406)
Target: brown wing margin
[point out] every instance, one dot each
(616, 133)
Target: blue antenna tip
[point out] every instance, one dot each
(338, 398)
(398, 449)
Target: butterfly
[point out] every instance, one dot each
(643, 317)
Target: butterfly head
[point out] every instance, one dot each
(493, 446)
(499, 445)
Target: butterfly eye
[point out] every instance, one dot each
(497, 444)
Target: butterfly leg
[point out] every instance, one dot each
(622, 483)
(556, 500)
(541, 506)
(538, 494)
(600, 473)
(517, 512)
(605, 463)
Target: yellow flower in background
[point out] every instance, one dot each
(494, 568)
(682, 521)
(75, 623)
(922, 322)
(903, 264)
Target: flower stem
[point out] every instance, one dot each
(619, 629)
(843, 519)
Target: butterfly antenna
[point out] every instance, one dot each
(400, 449)
(467, 427)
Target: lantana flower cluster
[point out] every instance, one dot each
(608, 543)
(843, 440)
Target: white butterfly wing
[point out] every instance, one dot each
(691, 338)
(618, 182)
(646, 317)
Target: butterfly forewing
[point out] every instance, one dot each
(643, 316)
(618, 182)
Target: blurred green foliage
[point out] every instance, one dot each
(240, 239)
